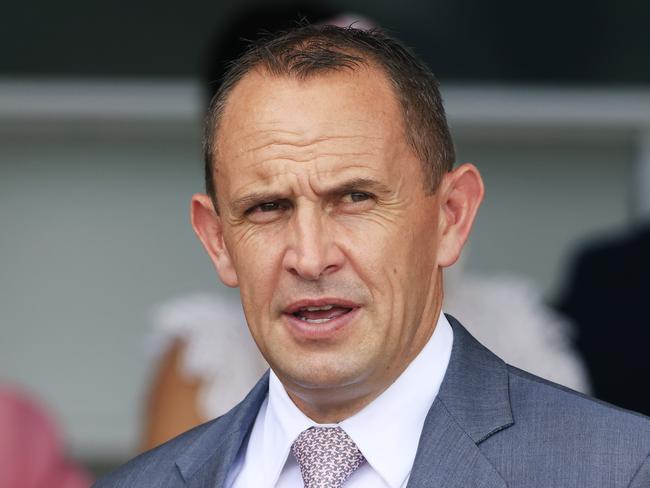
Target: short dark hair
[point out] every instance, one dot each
(309, 50)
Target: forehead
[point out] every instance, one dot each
(327, 119)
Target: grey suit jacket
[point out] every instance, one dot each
(491, 426)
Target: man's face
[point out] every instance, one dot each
(326, 229)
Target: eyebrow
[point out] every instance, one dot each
(359, 184)
(355, 184)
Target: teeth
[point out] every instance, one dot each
(314, 321)
(316, 309)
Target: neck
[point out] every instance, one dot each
(329, 411)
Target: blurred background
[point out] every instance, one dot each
(100, 128)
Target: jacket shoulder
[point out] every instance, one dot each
(156, 467)
(526, 386)
(208, 449)
(576, 431)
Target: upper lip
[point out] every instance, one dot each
(319, 302)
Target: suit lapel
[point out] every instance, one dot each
(448, 458)
(472, 405)
(206, 462)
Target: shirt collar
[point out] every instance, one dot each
(394, 418)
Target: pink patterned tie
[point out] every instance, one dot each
(326, 456)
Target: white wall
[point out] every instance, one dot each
(545, 195)
(94, 232)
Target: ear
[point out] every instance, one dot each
(461, 193)
(209, 229)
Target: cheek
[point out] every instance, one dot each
(400, 257)
(254, 249)
(376, 252)
(257, 261)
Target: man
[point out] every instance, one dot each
(333, 205)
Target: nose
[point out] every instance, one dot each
(312, 251)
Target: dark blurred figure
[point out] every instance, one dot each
(607, 299)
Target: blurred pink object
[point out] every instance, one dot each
(31, 453)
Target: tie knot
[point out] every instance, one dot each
(326, 456)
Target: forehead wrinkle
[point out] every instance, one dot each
(309, 157)
(323, 153)
(303, 141)
(277, 168)
(280, 181)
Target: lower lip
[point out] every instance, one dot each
(324, 330)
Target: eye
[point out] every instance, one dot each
(356, 202)
(356, 197)
(267, 211)
(267, 207)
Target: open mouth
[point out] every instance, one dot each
(320, 315)
(320, 311)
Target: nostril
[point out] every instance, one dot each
(330, 269)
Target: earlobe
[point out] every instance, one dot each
(209, 229)
(461, 195)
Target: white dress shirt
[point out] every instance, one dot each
(386, 431)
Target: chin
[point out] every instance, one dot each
(329, 372)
